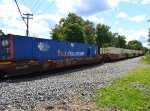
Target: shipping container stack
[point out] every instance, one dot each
(16, 47)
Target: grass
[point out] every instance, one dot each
(130, 93)
(146, 59)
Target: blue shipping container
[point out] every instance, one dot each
(52, 49)
(21, 47)
(14, 47)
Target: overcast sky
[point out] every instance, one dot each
(127, 17)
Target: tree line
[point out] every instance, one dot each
(75, 29)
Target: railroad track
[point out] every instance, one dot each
(50, 88)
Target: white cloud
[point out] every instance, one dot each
(132, 1)
(113, 3)
(85, 7)
(94, 19)
(138, 18)
(13, 23)
(10, 17)
(121, 15)
(145, 2)
(140, 35)
(65, 6)
(42, 24)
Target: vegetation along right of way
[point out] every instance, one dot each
(146, 58)
(129, 93)
(75, 29)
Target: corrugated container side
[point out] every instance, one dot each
(101, 51)
(52, 49)
(23, 47)
(114, 50)
(14, 47)
(93, 50)
(127, 50)
(104, 50)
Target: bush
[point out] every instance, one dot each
(129, 93)
(147, 58)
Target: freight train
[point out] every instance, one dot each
(24, 55)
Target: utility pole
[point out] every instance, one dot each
(27, 17)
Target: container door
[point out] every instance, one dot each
(5, 47)
(93, 51)
(23, 47)
(89, 52)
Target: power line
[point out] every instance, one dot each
(48, 7)
(35, 5)
(40, 4)
(20, 12)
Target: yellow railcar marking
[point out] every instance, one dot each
(32, 61)
(1, 63)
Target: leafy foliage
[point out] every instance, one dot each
(103, 37)
(70, 28)
(89, 32)
(134, 44)
(149, 37)
(58, 33)
(121, 42)
(1, 33)
(74, 33)
(146, 49)
(73, 28)
(130, 93)
(146, 59)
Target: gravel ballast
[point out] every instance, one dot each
(48, 90)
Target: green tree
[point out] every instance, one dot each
(149, 37)
(146, 50)
(103, 35)
(70, 28)
(114, 39)
(74, 33)
(89, 32)
(57, 33)
(121, 42)
(118, 41)
(71, 19)
(1, 33)
(134, 44)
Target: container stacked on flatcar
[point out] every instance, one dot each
(35, 54)
(52, 49)
(136, 53)
(21, 54)
(141, 52)
(113, 53)
(16, 47)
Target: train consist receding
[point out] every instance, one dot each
(113, 53)
(24, 55)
